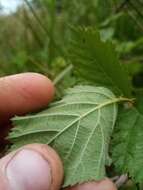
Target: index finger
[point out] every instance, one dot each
(24, 93)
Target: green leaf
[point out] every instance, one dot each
(128, 144)
(97, 62)
(78, 127)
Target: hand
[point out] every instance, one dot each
(36, 166)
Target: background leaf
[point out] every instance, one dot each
(78, 127)
(97, 62)
(128, 144)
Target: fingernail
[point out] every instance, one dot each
(28, 170)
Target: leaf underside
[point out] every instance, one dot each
(97, 62)
(128, 144)
(78, 127)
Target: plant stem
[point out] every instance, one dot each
(63, 74)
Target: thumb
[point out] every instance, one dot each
(33, 167)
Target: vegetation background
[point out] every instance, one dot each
(35, 37)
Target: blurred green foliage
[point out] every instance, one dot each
(35, 37)
(37, 34)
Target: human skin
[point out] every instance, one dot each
(35, 166)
